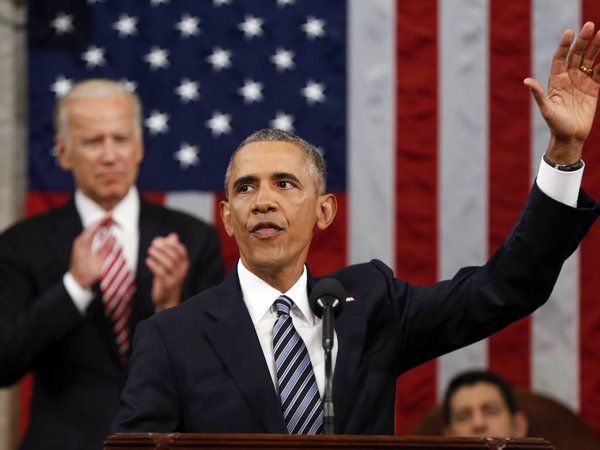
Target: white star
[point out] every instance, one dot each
(188, 26)
(221, 2)
(158, 58)
(220, 59)
(126, 25)
(219, 123)
(251, 91)
(283, 122)
(157, 123)
(62, 23)
(61, 86)
(188, 90)
(251, 27)
(314, 27)
(281, 3)
(158, 2)
(129, 85)
(94, 56)
(283, 59)
(313, 92)
(187, 155)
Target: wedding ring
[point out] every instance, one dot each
(587, 70)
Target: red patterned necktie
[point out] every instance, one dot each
(117, 286)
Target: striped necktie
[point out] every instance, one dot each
(298, 391)
(117, 287)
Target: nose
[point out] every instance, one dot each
(479, 424)
(109, 150)
(264, 201)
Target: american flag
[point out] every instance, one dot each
(431, 140)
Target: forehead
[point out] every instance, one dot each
(97, 110)
(475, 394)
(268, 157)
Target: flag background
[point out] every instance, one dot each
(431, 140)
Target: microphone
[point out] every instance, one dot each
(327, 299)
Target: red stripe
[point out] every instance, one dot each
(509, 125)
(416, 180)
(589, 332)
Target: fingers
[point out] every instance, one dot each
(539, 96)
(167, 256)
(592, 51)
(575, 54)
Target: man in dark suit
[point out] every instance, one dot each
(52, 315)
(215, 363)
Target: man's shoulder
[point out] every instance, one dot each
(40, 222)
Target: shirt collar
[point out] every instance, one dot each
(259, 295)
(125, 214)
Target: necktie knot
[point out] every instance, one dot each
(283, 305)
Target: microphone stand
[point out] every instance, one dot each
(328, 413)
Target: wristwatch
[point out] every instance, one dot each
(564, 167)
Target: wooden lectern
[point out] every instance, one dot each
(192, 441)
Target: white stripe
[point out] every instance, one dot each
(371, 130)
(196, 203)
(463, 154)
(555, 335)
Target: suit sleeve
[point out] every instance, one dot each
(427, 321)
(31, 320)
(207, 267)
(149, 401)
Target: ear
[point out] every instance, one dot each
(521, 424)
(327, 208)
(140, 150)
(226, 217)
(62, 155)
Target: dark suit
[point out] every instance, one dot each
(199, 367)
(77, 372)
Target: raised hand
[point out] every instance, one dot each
(569, 105)
(86, 261)
(169, 263)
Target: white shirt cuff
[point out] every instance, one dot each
(560, 185)
(82, 297)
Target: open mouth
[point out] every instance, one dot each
(265, 229)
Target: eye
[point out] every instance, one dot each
(244, 188)
(285, 185)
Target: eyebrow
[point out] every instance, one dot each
(277, 176)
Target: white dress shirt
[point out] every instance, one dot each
(125, 228)
(259, 296)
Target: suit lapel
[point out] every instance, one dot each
(234, 338)
(350, 328)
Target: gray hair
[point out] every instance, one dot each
(315, 163)
(95, 88)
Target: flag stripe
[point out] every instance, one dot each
(509, 167)
(554, 327)
(463, 151)
(416, 178)
(371, 145)
(589, 333)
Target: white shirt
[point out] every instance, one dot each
(259, 296)
(125, 228)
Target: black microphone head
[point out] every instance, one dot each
(327, 292)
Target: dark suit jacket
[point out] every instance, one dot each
(77, 373)
(199, 367)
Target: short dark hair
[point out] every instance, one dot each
(315, 162)
(478, 376)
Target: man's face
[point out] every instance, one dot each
(273, 207)
(101, 148)
(479, 410)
